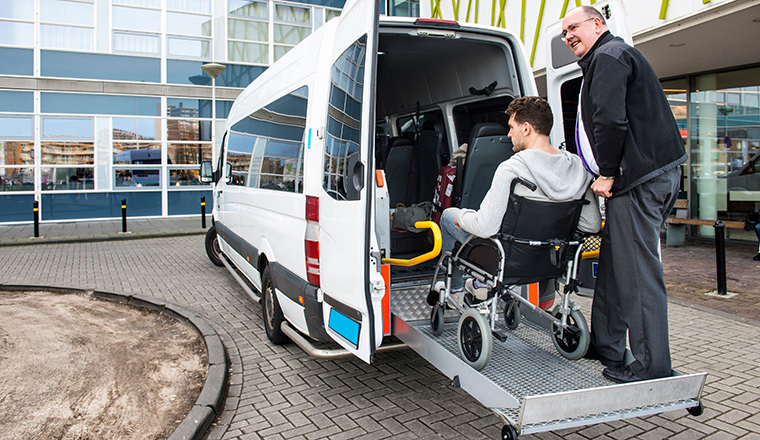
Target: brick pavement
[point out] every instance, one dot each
(279, 392)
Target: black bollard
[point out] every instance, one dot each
(124, 215)
(203, 212)
(36, 210)
(720, 255)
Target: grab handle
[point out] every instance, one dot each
(424, 257)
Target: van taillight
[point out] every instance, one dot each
(311, 240)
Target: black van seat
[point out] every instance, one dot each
(488, 147)
(398, 165)
(429, 160)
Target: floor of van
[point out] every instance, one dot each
(419, 272)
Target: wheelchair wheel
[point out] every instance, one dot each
(512, 314)
(575, 339)
(436, 319)
(475, 340)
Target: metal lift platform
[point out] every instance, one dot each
(527, 383)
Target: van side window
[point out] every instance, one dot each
(344, 113)
(265, 149)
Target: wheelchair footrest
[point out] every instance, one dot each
(499, 335)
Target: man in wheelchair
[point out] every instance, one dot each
(552, 189)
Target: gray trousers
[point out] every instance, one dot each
(630, 290)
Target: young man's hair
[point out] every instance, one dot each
(533, 110)
(591, 12)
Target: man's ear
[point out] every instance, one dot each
(526, 128)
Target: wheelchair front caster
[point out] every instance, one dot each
(436, 319)
(574, 341)
(512, 314)
(475, 339)
(508, 432)
(696, 410)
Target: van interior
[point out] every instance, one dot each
(434, 94)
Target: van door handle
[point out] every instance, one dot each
(355, 178)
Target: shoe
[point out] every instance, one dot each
(479, 293)
(756, 257)
(624, 375)
(595, 356)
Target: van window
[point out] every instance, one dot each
(265, 150)
(344, 113)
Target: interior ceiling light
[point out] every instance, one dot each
(677, 44)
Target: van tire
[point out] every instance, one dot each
(270, 310)
(213, 250)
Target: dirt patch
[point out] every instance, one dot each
(74, 367)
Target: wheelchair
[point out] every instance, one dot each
(537, 242)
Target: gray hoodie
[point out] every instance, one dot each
(559, 177)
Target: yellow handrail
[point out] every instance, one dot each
(590, 254)
(424, 257)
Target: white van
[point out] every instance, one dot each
(323, 146)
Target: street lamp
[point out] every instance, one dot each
(213, 70)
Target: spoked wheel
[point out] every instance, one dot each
(436, 319)
(512, 313)
(508, 432)
(272, 314)
(475, 339)
(212, 247)
(575, 339)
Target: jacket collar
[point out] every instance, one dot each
(605, 37)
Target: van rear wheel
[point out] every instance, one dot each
(213, 250)
(271, 311)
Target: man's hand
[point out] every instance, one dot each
(602, 187)
(456, 223)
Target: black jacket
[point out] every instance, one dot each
(626, 115)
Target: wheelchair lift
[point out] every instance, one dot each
(527, 383)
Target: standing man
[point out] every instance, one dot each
(628, 138)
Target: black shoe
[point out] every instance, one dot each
(756, 257)
(624, 375)
(595, 356)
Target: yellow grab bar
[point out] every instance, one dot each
(590, 254)
(424, 257)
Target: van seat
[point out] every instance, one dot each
(398, 167)
(488, 147)
(429, 160)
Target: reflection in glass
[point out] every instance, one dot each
(248, 30)
(136, 19)
(188, 108)
(16, 127)
(17, 9)
(99, 104)
(344, 120)
(189, 47)
(16, 179)
(16, 34)
(16, 61)
(290, 34)
(279, 51)
(66, 12)
(249, 8)
(248, 52)
(16, 153)
(66, 37)
(136, 43)
(188, 24)
(137, 178)
(68, 153)
(67, 128)
(200, 6)
(67, 179)
(185, 177)
(188, 130)
(292, 14)
(99, 66)
(142, 3)
(331, 13)
(136, 128)
(190, 154)
(136, 153)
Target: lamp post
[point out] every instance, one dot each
(213, 70)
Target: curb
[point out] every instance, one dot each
(211, 399)
(99, 238)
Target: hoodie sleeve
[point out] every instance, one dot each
(591, 217)
(486, 221)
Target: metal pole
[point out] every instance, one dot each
(720, 255)
(36, 210)
(124, 215)
(203, 212)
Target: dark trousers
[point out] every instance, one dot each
(630, 290)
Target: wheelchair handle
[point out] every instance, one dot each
(424, 257)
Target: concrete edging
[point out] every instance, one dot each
(211, 399)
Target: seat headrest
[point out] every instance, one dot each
(428, 125)
(397, 141)
(484, 129)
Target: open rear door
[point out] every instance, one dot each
(345, 207)
(563, 75)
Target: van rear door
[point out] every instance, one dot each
(345, 208)
(563, 75)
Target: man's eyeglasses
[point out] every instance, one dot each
(573, 27)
